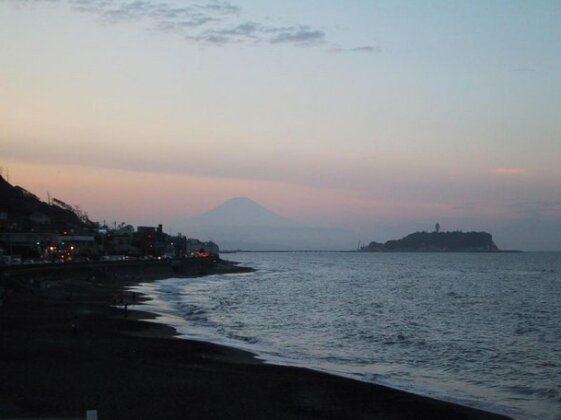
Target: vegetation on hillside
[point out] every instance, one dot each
(25, 212)
(456, 241)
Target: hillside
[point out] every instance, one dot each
(437, 242)
(23, 211)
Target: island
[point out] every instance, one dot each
(437, 241)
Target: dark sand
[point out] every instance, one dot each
(130, 368)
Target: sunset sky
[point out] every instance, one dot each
(380, 116)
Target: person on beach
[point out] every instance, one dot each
(74, 326)
(126, 307)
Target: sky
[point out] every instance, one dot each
(384, 117)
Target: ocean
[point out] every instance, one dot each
(480, 329)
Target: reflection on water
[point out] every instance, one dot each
(482, 329)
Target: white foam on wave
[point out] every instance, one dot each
(406, 336)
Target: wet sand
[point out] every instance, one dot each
(130, 368)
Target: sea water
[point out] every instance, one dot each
(480, 329)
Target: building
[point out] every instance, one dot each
(151, 240)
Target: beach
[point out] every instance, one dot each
(68, 344)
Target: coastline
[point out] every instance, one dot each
(134, 368)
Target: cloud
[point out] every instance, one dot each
(238, 33)
(542, 208)
(302, 36)
(160, 14)
(510, 171)
(207, 22)
(365, 49)
(258, 33)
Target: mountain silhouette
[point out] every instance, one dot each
(241, 223)
(242, 211)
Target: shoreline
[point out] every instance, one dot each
(136, 368)
(185, 331)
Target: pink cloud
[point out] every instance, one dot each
(510, 171)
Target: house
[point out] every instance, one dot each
(73, 247)
(194, 245)
(40, 218)
(151, 240)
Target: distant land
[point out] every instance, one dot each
(242, 224)
(437, 242)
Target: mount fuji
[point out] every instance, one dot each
(241, 223)
(242, 211)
